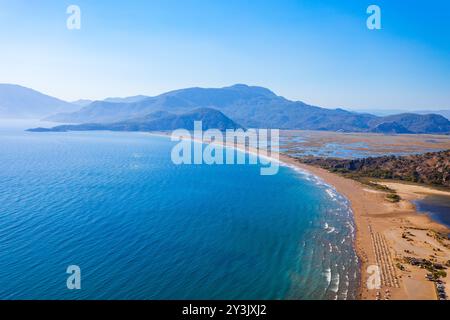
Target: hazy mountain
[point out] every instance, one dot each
(378, 112)
(390, 112)
(175, 101)
(390, 127)
(255, 107)
(82, 102)
(416, 123)
(444, 113)
(157, 121)
(86, 102)
(250, 106)
(20, 102)
(127, 99)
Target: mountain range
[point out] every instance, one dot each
(390, 112)
(247, 106)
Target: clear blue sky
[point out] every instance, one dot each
(319, 52)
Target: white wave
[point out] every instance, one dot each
(335, 282)
(350, 227)
(344, 294)
(329, 228)
(327, 275)
(331, 194)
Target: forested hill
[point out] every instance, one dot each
(430, 168)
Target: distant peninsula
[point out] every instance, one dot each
(156, 121)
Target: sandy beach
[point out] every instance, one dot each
(380, 235)
(387, 233)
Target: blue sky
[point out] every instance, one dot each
(320, 52)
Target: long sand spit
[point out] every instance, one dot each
(386, 233)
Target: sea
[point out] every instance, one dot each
(139, 226)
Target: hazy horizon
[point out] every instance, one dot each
(320, 53)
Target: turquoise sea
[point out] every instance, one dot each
(140, 227)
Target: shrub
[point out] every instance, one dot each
(392, 197)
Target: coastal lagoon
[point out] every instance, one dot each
(141, 227)
(301, 143)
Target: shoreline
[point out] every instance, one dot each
(380, 227)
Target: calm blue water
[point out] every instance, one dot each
(140, 227)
